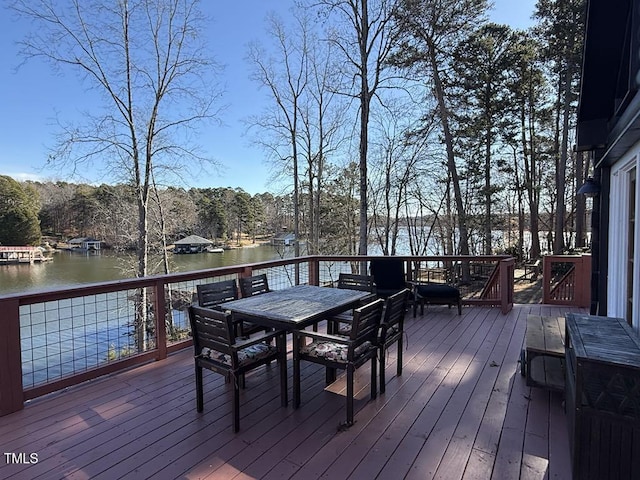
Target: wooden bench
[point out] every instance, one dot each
(542, 359)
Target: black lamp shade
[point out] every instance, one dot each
(590, 188)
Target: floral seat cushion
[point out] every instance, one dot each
(344, 329)
(393, 330)
(332, 350)
(246, 355)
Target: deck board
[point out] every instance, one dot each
(460, 410)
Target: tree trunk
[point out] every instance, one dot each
(488, 247)
(365, 104)
(142, 252)
(531, 178)
(451, 159)
(561, 173)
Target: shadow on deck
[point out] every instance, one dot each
(460, 410)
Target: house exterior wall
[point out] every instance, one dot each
(622, 234)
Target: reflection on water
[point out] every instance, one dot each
(69, 268)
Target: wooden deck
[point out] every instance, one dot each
(461, 410)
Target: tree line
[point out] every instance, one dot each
(60, 211)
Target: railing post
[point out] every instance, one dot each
(584, 279)
(247, 271)
(546, 278)
(160, 313)
(11, 394)
(506, 285)
(314, 271)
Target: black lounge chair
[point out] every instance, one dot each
(389, 275)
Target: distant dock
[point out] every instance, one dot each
(30, 255)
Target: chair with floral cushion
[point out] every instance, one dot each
(364, 283)
(217, 349)
(340, 352)
(392, 330)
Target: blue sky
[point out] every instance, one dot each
(33, 96)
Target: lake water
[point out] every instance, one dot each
(69, 268)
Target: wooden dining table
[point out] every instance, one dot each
(295, 307)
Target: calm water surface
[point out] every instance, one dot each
(69, 268)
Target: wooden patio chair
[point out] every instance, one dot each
(363, 283)
(344, 353)
(255, 285)
(250, 286)
(392, 331)
(211, 295)
(216, 348)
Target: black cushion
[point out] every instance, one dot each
(388, 273)
(439, 291)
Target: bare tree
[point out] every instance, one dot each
(145, 60)
(322, 115)
(395, 170)
(364, 34)
(284, 74)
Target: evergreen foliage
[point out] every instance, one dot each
(19, 223)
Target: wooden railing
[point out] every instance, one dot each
(566, 280)
(39, 351)
(499, 285)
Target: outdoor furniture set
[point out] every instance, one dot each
(234, 334)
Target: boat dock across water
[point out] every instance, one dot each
(26, 254)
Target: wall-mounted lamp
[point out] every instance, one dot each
(590, 188)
